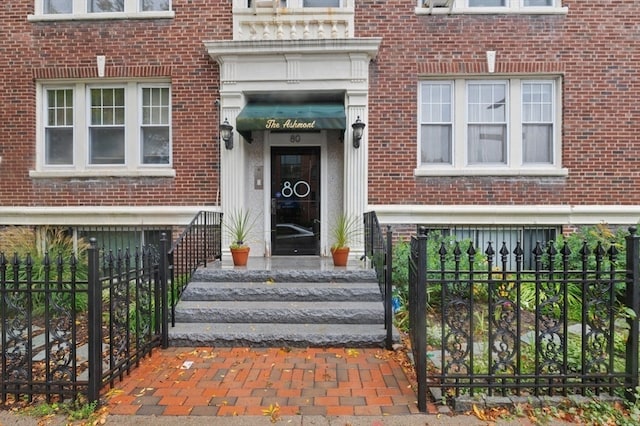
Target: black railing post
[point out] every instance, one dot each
(388, 292)
(164, 273)
(419, 326)
(633, 302)
(94, 317)
(205, 232)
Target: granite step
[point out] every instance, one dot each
(277, 335)
(282, 291)
(280, 312)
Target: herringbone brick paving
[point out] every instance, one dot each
(247, 381)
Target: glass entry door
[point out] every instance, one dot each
(295, 201)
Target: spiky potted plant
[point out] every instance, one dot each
(238, 226)
(343, 231)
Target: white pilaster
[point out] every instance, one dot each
(232, 161)
(355, 164)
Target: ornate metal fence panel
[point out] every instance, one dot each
(69, 326)
(129, 325)
(495, 328)
(40, 317)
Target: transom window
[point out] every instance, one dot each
(55, 7)
(489, 126)
(123, 126)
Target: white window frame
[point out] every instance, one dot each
(514, 165)
(463, 7)
(81, 167)
(132, 10)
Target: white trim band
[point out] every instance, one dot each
(102, 215)
(507, 215)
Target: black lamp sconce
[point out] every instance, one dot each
(226, 133)
(358, 130)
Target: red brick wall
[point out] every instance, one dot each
(166, 47)
(596, 45)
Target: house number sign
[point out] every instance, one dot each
(300, 189)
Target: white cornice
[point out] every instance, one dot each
(101, 215)
(503, 215)
(219, 49)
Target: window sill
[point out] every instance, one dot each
(532, 172)
(100, 173)
(492, 11)
(98, 16)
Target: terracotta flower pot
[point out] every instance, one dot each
(340, 256)
(240, 255)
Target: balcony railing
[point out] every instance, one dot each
(292, 23)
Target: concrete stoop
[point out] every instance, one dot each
(273, 308)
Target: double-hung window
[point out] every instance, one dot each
(296, 3)
(486, 127)
(119, 129)
(492, 6)
(511, 3)
(100, 8)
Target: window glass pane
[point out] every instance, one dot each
(436, 144)
(149, 5)
(537, 102)
(107, 106)
(155, 145)
(58, 6)
(436, 102)
(487, 143)
(321, 3)
(537, 143)
(486, 3)
(59, 146)
(60, 107)
(106, 145)
(155, 105)
(106, 6)
(538, 2)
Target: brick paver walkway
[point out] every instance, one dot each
(246, 381)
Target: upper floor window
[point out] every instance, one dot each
(489, 126)
(504, 3)
(493, 6)
(295, 3)
(124, 127)
(60, 9)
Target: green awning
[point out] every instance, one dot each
(290, 117)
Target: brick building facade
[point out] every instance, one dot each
(477, 113)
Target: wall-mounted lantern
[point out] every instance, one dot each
(358, 130)
(226, 133)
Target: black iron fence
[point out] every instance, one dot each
(71, 325)
(378, 248)
(482, 323)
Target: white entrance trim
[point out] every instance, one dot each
(281, 67)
